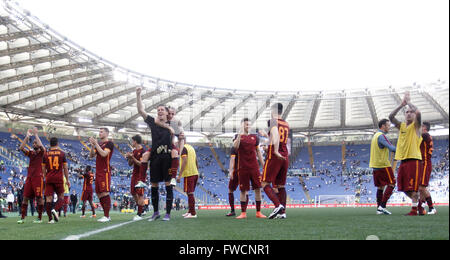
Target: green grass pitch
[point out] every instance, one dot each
(301, 224)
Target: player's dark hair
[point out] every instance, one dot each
(279, 107)
(382, 122)
(427, 125)
(245, 120)
(165, 107)
(137, 139)
(88, 168)
(105, 129)
(53, 141)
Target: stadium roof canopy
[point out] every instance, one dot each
(45, 77)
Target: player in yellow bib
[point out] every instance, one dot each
(408, 151)
(383, 175)
(189, 171)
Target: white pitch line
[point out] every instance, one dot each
(77, 237)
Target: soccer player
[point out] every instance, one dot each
(34, 184)
(88, 192)
(160, 156)
(176, 128)
(103, 153)
(383, 175)
(234, 179)
(408, 151)
(247, 147)
(66, 198)
(189, 171)
(134, 159)
(426, 149)
(54, 169)
(277, 162)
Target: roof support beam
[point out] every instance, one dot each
(82, 94)
(39, 73)
(19, 64)
(125, 104)
(232, 112)
(262, 109)
(372, 109)
(314, 111)
(436, 105)
(343, 101)
(58, 90)
(206, 111)
(289, 108)
(21, 34)
(56, 80)
(100, 100)
(29, 48)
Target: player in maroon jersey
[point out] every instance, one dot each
(54, 167)
(103, 152)
(234, 180)
(247, 147)
(134, 159)
(34, 184)
(88, 192)
(426, 148)
(277, 162)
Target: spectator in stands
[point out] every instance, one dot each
(2, 206)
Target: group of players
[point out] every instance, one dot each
(48, 171)
(414, 150)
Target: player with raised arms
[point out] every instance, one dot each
(103, 152)
(408, 151)
(34, 184)
(160, 156)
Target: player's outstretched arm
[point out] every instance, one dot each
(392, 118)
(231, 167)
(35, 132)
(24, 141)
(418, 122)
(140, 105)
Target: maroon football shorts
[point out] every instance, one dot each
(34, 187)
(234, 183)
(275, 171)
(190, 183)
(102, 183)
(134, 181)
(409, 175)
(51, 188)
(249, 176)
(383, 177)
(426, 173)
(87, 195)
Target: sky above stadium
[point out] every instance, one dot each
(262, 45)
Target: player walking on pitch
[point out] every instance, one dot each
(103, 153)
(54, 167)
(408, 151)
(277, 162)
(88, 192)
(234, 179)
(134, 159)
(160, 156)
(34, 185)
(426, 149)
(189, 171)
(247, 147)
(383, 175)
